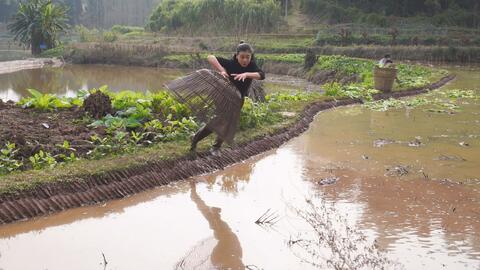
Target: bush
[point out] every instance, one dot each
(124, 29)
(216, 15)
(87, 35)
(109, 36)
(54, 52)
(375, 19)
(310, 59)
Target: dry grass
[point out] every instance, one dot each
(331, 243)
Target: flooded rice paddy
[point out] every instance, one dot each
(398, 189)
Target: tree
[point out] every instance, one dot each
(39, 22)
(7, 8)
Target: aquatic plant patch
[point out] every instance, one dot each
(444, 101)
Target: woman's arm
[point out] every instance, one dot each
(256, 74)
(248, 75)
(216, 65)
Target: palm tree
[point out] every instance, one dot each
(39, 22)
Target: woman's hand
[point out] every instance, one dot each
(240, 77)
(224, 74)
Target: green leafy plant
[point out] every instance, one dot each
(136, 137)
(165, 104)
(177, 129)
(79, 98)
(126, 99)
(296, 96)
(357, 91)
(256, 114)
(45, 102)
(459, 93)
(332, 89)
(68, 154)
(154, 125)
(110, 144)
(42, 160)
(8, 163)
(135, 115)
(344, 65)
(115, 123)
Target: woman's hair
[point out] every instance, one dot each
(244, 47)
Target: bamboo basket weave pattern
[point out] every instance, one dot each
(384, 78)
(212, 98)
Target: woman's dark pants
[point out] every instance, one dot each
(202, 134)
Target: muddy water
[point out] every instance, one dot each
(290, 83)
(208, 222)
(67, 80)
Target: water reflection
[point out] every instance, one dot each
(66, 80)
(227, 251)
(231, 181)
(423, 223)
(425, 220)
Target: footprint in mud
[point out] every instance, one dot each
(415, 143)
(464, 144)
(447, 181)
(382, 142)
(449, 158)
(397, 170)
(328, 181)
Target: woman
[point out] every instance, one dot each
(384, 60)
(230, 85)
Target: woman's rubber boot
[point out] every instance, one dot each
(193, 148)
(215, 150)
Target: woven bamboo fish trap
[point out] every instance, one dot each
(384, 78)
(213, 99)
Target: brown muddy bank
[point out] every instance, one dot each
(33, 130)
(92, 189)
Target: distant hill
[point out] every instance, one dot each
(461, 13)
(263, 15)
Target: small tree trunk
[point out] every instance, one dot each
(35, 44)
(35, 48)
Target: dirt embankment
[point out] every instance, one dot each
(153, 56)
(33, 130)
(13, 66)
(319, 77)
(70, 193)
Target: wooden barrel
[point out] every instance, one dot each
(384, 78)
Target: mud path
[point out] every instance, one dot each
(32, 63)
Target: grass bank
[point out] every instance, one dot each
(134, 46)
